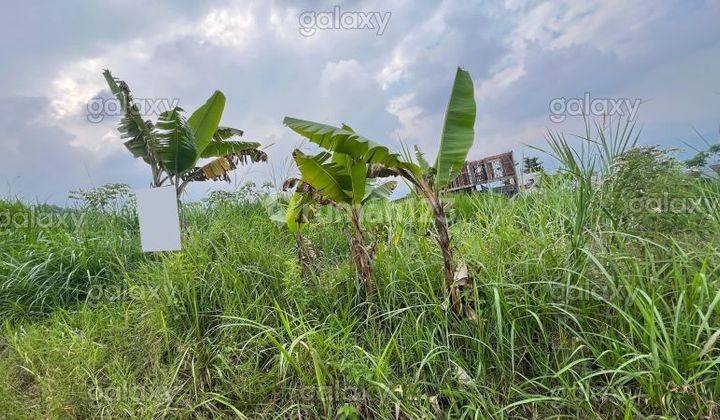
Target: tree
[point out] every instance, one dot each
(532, 164)
(456, 140)
(108, 197)
(429, 181)
(174, 145)
(700, 159)
(342, 175)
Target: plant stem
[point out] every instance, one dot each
(361, 257)
(301, 254)
(179, 188)
(443, 239)
(156, 176)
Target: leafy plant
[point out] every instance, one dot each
(596, 158)
(649, 190)
(455, 141)
(104, 198)
(700, 159)
(429, 181)
(294, 212)
(174, 145)
(341, 177)
(248, 192)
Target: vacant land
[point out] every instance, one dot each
(597, 300)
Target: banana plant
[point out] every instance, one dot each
(429, 181)
(174, 145)
(295, 212)
(456, 140)
(340, 175)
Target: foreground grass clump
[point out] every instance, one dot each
(623, 321)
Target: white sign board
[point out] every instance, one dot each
(159, 221)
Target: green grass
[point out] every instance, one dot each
(577, 316)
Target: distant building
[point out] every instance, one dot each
(495, 173)
(530, 180)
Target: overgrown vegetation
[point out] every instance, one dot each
(705, 159)
(342, 177)
(585, 306)
(355, 159)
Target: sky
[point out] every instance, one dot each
(383, 67)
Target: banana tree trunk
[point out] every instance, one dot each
(179, 188)
(156, 176)
(302, 254)
(443, 240)
(361, 256)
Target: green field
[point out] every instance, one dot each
(586, 306)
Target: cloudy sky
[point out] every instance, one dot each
(388, 86)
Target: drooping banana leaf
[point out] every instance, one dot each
(379, 192)
(205, 120)
(329, 179)
(300, 210)
(137, 142)
(175, 142)
(420, 156)
(458, 133)
(342, 140)
(380, 171)
(224, 133)
(218, 169)
(137, 133)
(122, 95)
(225, 148)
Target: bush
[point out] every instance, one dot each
(648, 191)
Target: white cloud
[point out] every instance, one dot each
(74, 86)
(233, 28)
(394, 70)
(413, 125)
(606, 25)
(418, 43)
(500, 80)
(345, 75)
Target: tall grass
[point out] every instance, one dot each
(577, 316)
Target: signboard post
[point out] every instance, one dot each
(159, 221)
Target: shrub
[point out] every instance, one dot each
(647, 190)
